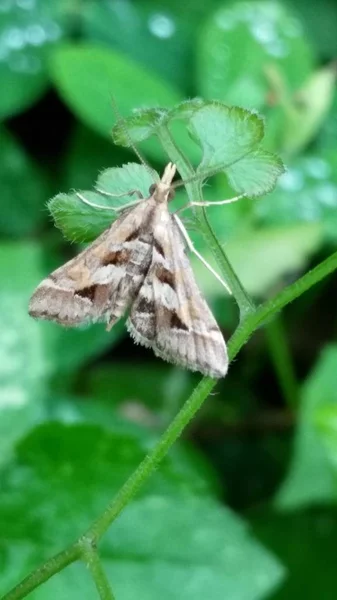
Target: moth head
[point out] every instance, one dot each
(162, 191)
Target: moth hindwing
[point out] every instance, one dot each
(139, 264)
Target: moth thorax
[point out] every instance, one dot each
(161, 192)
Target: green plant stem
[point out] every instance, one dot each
(282, 360)
(92, 560)
(53, 565)
(273, 306)
(194, 191)
(150, 462)
(245, 330)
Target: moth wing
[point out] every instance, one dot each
(171, 316)
(102, 281)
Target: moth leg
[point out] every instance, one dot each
(193, 249)
(129, 193)
(209, 203)
(101, 207)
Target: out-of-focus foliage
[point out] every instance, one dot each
(251, 493)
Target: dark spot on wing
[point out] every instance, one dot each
(165, 276)
(87, 292)
(177, 323)
(159, 247)
(145, 306)
(117, 257)
(134, 235)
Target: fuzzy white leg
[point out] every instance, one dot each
(101, 207)
(193, 249)
(130, 193)
(215, 203)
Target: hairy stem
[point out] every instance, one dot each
(92, 560)
(194, 191)
(150, 462)
(245, 330)
(53, 565)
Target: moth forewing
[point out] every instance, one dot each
(140, 264)
(170, 314)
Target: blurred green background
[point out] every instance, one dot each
(244, 507)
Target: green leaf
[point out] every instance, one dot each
(68, 473)
(119, 180)
(80, 222)
(22, 189)
(326, 422)
(237, 43)
(311, 477)
(226, 134)
(23, 361)
(139, 126)
(262, 258)
(88, 76)
(28, 30)
(256, 173)
(159, 36)
(87, 154)
(307, 192)
(306, 542)
(73, 348)
(309, 110)
(145, 122)
(319, 21)
(229, 135)
(145, 393)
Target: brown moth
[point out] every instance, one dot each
(139, 264)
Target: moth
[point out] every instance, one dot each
(139, 264)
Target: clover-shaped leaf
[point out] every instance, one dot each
(138, 127)
(80, 222)
(229, 138)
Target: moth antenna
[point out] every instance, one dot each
(132, 145)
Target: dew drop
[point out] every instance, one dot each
(292, 180)
(161, 26)
(327, 194)
(278, 48)
(14, 38)
(225, 20)
(12, 396)
(52, 31)
(35, 35)
(263, 32)
(317, 168)
(25, 4)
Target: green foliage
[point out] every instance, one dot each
(70, 473)
(21, 179)
(84, 74)
(28, 31)
(240, 41)
(306, 544)
(276, 250)
(80, 409)
(312, 477)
